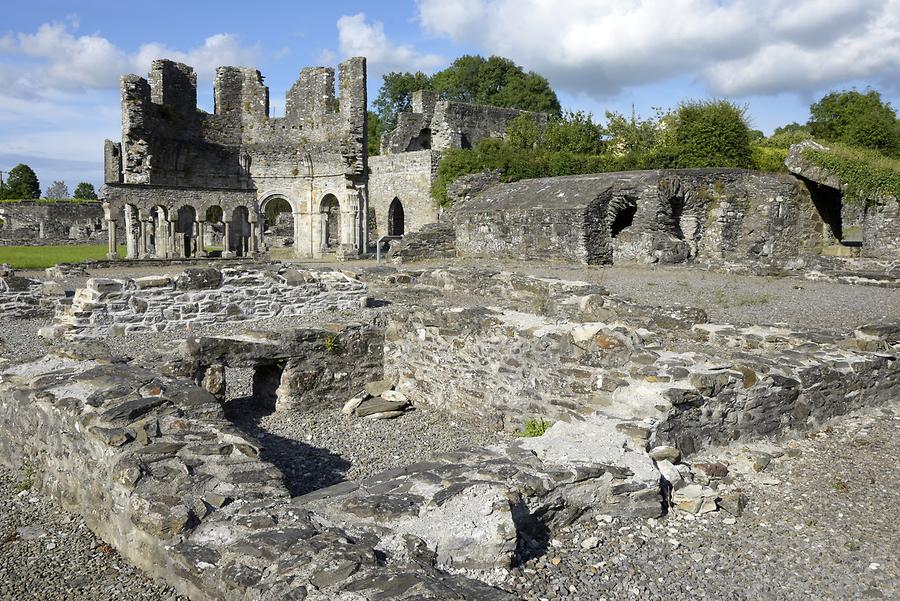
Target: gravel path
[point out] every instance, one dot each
(48, 554)
(826, 530)
(315, 449)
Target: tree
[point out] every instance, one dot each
(85, 191)
(494, 81)
(374, 129)
(58, 189)
(710, 133)
(856, 119)
(395, 95)
(23, 183)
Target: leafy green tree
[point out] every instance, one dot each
(85, 191)
(58, 189)
(23, 183)
(374, 128)
(395, 95)
(574, 132)
(495, 81)
(710, 133)
(856, 119)
(630, 135)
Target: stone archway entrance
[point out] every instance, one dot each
(396, 218)
(330, 210)
(278, 226)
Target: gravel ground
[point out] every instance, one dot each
(319, 448)
(826, 530)
(48, 554)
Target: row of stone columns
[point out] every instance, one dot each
(165, 239)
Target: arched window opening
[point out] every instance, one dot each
(396, 218)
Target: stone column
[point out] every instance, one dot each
(112, 251)
(298, 237)
(253, 244)
(201, 238)
(142, 239)
(227, 253)
(130, 241)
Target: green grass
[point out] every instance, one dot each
(40, 257)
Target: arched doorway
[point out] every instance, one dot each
(396, 218)
(239, 234)
(277, 222)
(185, 234)
(330, 210)
(214, 231)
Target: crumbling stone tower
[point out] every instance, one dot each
(179, 169)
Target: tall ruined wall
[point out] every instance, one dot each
(440, 125)
(406, 177)
(34, 223)
(167, 141)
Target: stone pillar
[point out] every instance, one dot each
(130, 241)
(172, 250)
(143, 242)
(253, 244)
(201, 238)
(227, 253)
(112, 251)
(299, 250)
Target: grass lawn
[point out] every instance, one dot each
(39, 257)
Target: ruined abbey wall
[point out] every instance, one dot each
(35, 223)
(406, 177)
(648, 216)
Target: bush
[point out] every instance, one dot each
(769, 159)
(711, 133)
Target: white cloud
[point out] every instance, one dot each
(737, 47)
(359, 37)
(55, 59)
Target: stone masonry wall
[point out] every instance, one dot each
(202, 296)
(406, 177)
(37, 223)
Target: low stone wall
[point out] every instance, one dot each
(35, 223)
(298, 369)
(433, 241)
(203, 296)
(505, 366)
(158, 473)
(23, 298)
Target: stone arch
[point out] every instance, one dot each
(396, 218)
(278, 220)
(330, 219)
(238, 233)
(677, 217)
(620, 215)
(186, 231)
(158, 238)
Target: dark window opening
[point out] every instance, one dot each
(420, 142)
(623, 220)
(266, 380)
(396, 219)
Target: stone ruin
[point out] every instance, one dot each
(147, 454)
(36, 223)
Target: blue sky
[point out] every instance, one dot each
(60, 61)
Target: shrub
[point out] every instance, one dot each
(534, 427)
(711, 133)
(769, 159)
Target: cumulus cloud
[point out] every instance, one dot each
(55, 59)
(737, 47)
(357, 36)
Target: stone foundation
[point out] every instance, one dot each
(200, 296)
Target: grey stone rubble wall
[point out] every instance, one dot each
(159, 474)
(433, 241)
(879, 216)
(35, 223)
(298, 369)
(406, 177)
(506, 366)
(568, 300)
(24, 298)
(157, 471)
(203, 296)
(676, 215)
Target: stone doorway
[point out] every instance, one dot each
(396, 218)
(330, 210)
